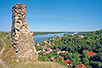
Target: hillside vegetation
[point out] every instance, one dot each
(8, 59)
(82, 48)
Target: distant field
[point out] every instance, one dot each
(39, 33)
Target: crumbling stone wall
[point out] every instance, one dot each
(21, 38)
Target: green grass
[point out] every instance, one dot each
(8, 56)
(37, 65)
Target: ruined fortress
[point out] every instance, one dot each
(21, 39)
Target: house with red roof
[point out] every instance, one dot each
(91, 54)
(38, 44)
(75, 34)
(89, 33)
(48, 48)
(66, 52)
(45, 41)
(53, 43)
(52, 58)
(79, 37)
(42, 52)
(56, 40)
(67, 61)
(58, 51)
(61, 58)
(42, 46)
(81, 66)
(47, 52)
(44, 56)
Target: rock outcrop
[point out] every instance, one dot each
(21, 38)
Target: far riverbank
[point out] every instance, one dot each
(43, 37)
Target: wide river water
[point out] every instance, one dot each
(39, 38)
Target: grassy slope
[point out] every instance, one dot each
(37, 65)
(9, 58)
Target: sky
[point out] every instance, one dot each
(55, 15)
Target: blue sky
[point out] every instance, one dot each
(55, 15)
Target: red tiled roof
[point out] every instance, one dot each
(67, 61)
(89, 33)
(58, 50)
(66, 51)
(53, 43)
(81, 66)
(52, 58)
(61, 58)
(43, 52)
(42, 46)
(91, 53)
(79, 37)
(48, 48)
(44, 56)
(56, 40)
(75, 35)
(46, 40)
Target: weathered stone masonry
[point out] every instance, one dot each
(21, 38)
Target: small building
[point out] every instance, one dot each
(81, 66)
(52, 58)
(79, 37)
(67, 61)
(53, 38)
(39, 51)
(48, 48)
(64, 51)
(42, 46)
(42, 52)
(89, 33)
(51, 50)
(47, 52)
(56, 40)
(49, 44)
(38, 44)
(46, 41)
(52, 43)
(58, 51)
(61, 58)
(91, 54)
(75, 34)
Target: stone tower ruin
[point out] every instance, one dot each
(21, 38)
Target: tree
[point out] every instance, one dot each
(85, 54)
(100, 56)
(96, 64)
(85, 61)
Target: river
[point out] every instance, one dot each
(39, 38)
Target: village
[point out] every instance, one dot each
(44, 48)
